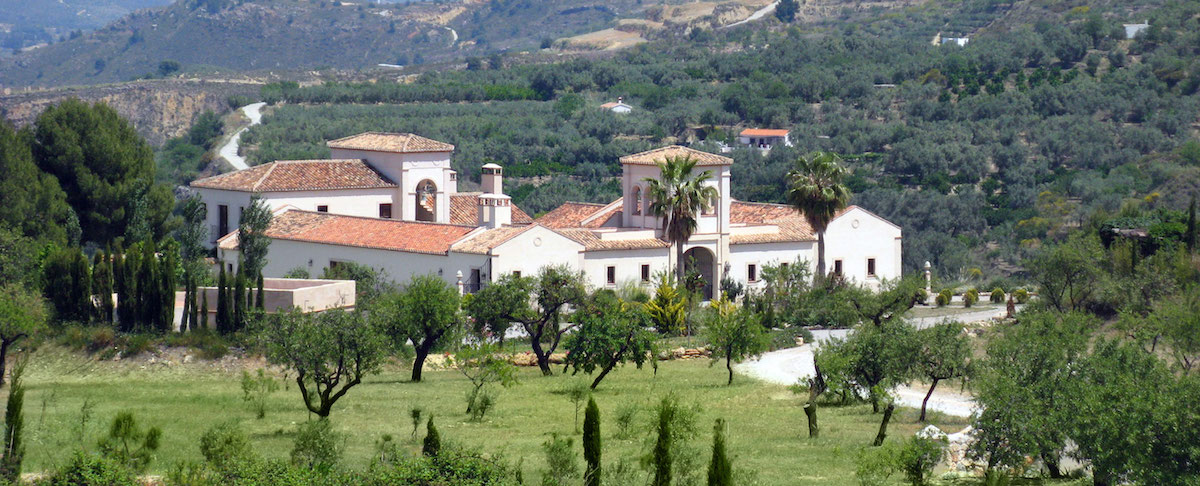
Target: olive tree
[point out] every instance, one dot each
(330, 352)
(426, 312)
(611, 332)
(536, 303)
(734, 334)
(944, 354)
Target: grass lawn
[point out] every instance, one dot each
(766, 423)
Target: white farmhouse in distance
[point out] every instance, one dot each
(1132, 30)
(390, 201)
(764, 138)
(618, 107)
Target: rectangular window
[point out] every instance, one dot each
(322, 209)
(517, 274)
(612, 275)
(222, 220)
(752, 273)
(837, 267)
(871, 267)
(334, 264)
(241, 213)
(783, 266)
(385, 210)
(645, 273)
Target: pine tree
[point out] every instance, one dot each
(720, 470)
(433, 443)
(591, 443)
(258, 298)
(222, 304)
(14, 450)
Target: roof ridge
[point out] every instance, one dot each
(317, 161)
(264, 177)
(605, 209)
(431, 223)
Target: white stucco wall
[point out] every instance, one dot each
(285, 255)
(858, 235)
(528, 252)
(628, 265)
(763, 254)
(213, 198)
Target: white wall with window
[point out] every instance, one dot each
(857, 238)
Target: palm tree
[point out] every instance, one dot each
(816, 190)
(677, 196)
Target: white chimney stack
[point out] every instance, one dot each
(495, 210)
(492, 179)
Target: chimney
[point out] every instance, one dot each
(492, 179)
(495, 210)
(620, 100)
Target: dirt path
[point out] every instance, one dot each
(760, 13)
(786, 366)
(229, 151)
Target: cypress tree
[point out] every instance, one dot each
(239, 303)
(121, 285)
(222, 304)
(81, 305)
(720, 470)
(166, 309)
(1191, 226)
(14, 449)
(591, 443)
(433, 443)
(662, 447)
(258, 298)
(148, 289)
(203, 310)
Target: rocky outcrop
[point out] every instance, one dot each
(159, 109)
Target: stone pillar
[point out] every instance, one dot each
(928, 282)
(461, 287)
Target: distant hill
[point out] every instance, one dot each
(25, 23)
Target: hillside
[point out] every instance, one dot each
(214, 37)
(25, 23)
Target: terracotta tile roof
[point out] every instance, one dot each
(760, 213)
(299, 175)
(382, 234)
(464, 209)
(390, 142)
(792, 225)
(591, 241)
(661, 154)
(763, 132)
(484, 242)
(613, 104)
(580, 215)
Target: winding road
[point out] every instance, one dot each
(229, 151)
(758, 14)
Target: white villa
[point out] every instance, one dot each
(764, 138)
(390, 201)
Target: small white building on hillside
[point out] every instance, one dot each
(390, 201)
(764, 138)
(617, 107)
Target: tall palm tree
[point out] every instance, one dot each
(677, 196)
(815, 189)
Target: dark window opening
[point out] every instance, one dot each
(871, 267)
(645, 273)
(837, 267)
(222, 220)
(612, 275)
(385, 210)
(752, 272)
(517, 273)
(322, 209)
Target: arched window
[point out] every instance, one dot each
(426, 201)
(637, 200)
(712, 207)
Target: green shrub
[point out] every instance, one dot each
(92, 470)
(970, 297)
(317, 446)
(255, 390)
(625, 418)
(136, 344)
(943, 298)
(127, 444)
(786, 337)
(432, 445)
(225, 443)
(562, 467)
(917, 457)
(1021, 295)
(997, 296)
(874, 465)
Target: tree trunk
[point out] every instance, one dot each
(543, 358)
(810, 411)
(1051, 461)
(887, 417)
(820, 276)
(679, 263)
(926, 400)
(603, 373)
(422, 352)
